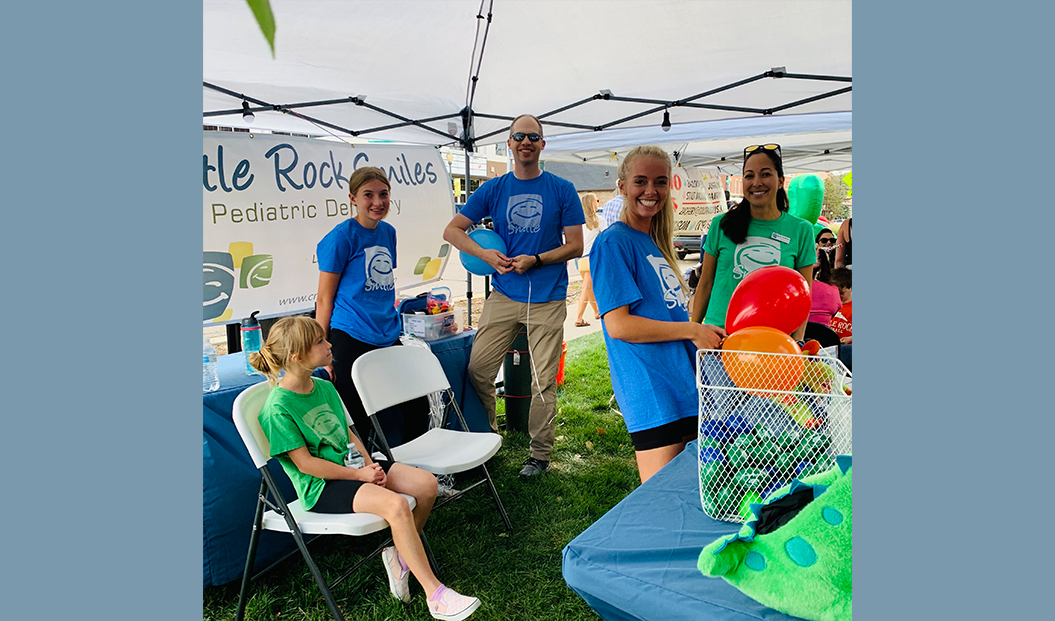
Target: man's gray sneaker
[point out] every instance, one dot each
(534, 466)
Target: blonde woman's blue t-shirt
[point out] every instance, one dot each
(786, 241)
(654, 383)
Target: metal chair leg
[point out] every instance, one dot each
(299, 538)
(498, 501)
(326, 595)
(250, 558)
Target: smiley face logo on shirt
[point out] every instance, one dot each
(673, 296)
(379, 273)
(325, 425)
(753, 254)
(524, 213)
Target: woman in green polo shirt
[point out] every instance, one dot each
(756, 233)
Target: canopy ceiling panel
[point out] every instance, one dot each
(412, 60)
(804, 140)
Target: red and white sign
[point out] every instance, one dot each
(698, 196)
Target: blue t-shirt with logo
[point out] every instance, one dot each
(366, 294)
(655, 383)
(530, 217)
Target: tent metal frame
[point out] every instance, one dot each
(468, 140)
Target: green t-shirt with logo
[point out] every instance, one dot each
(786, 241)
(316, 420)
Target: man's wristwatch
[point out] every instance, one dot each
(538, 261)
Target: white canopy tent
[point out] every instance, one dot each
(419, 71)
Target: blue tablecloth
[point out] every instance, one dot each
(230, 481)
(638, 562)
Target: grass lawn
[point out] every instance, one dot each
(517, 575)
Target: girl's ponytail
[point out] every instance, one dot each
(265, 362)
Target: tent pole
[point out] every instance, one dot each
(468, 274)
(466, 145)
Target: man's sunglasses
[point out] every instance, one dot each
(755, 148)
(827, 241)
(520, 136)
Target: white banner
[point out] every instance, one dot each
(269, 200)
(698, 196)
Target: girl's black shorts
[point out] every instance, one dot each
(338, 494)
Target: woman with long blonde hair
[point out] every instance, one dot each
(594, 226)
(641, 295)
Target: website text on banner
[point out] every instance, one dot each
(698, 195)
(269, 199)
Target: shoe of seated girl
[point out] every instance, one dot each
(448, 605)
(398, 577)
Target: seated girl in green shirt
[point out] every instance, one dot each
(305, 422)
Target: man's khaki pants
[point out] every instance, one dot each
(499, 324)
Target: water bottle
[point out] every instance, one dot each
(354, 459)
(250, 340)
(210, 380)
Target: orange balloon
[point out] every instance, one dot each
(753, 359)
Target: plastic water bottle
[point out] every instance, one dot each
(354, 459)
(250, 340)
(210, 380)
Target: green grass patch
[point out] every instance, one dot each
(517, 575)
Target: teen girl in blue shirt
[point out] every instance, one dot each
(356, 301)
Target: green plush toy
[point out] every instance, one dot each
(806, 197)
(795, 555)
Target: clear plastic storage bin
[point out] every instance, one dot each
(432, 327)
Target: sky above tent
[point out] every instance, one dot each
(412, 60)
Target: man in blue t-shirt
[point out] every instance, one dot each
(539, 217)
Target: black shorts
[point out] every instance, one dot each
(337, 495)
(664, 435)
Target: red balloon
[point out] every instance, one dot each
(774, 297)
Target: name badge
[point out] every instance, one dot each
(781, 238)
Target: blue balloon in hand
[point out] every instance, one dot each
(486, 238)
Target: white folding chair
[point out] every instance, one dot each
(392, 375)
(291, 517)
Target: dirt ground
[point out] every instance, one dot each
(217, 335)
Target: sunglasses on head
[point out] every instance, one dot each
(757, 148)
(519, 137)
(826, 240)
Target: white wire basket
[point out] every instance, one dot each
(766, 419)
